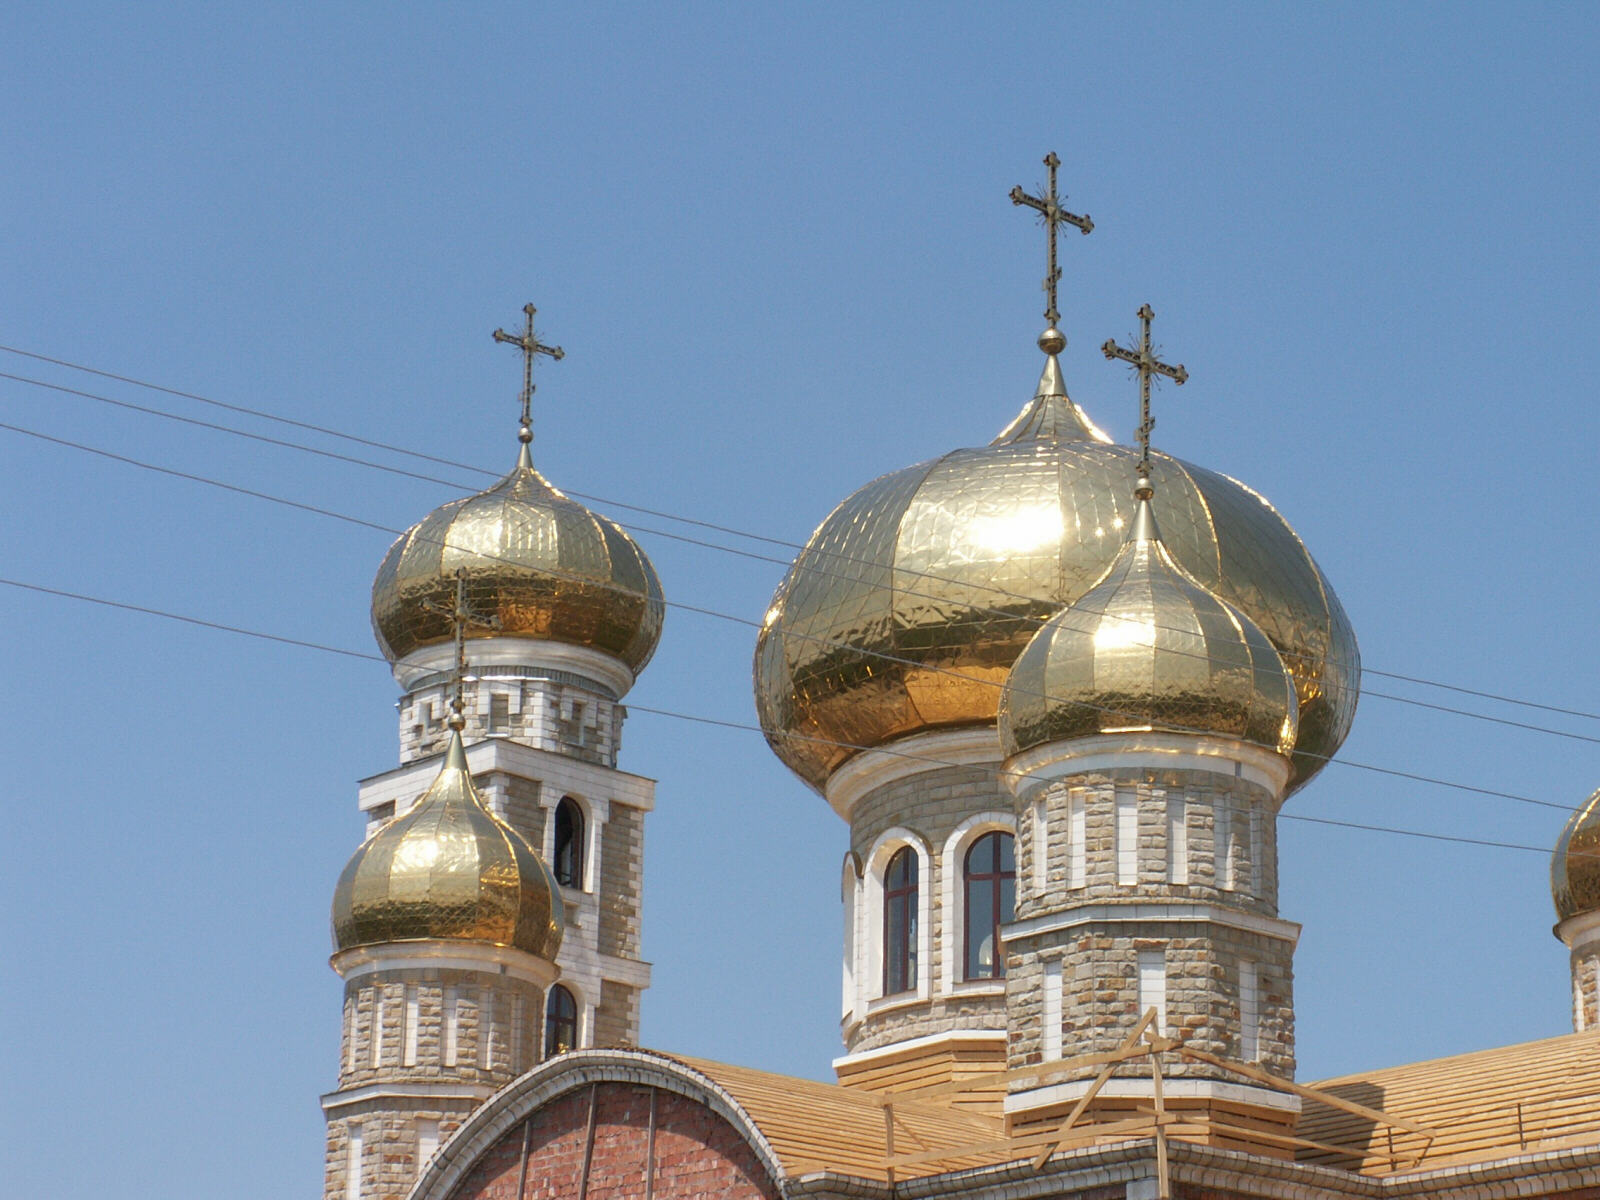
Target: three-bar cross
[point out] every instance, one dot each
(1147, 364)
(530, 346)
(1049, 207)
(461, 617)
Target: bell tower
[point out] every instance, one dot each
(558, 610)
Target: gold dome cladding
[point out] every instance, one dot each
(1575, 865)
(448, 869)
(953, 565)
(1148, 648)
(543, 564)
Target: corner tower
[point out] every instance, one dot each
(1149, 728)
(879, 667)
(562, 610)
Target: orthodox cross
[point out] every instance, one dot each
(1049, 207)
(461, 617)
(1147, 364)
(530, 346)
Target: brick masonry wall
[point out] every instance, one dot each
(616, 1017)
(1100, 992)
(930, 804)
(1585, 988)
(697, 1154)
(543, 713)
(1100, 1000)
(391, 1150)
(506, 1013)
(621, 882)
(1256, 884)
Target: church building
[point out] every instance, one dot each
(1057, 689)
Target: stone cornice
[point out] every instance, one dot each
(972, 746)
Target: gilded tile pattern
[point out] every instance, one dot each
(954, 564)
(1575, 866)
(448, 869)
(543, 564)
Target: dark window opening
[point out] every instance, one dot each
(900, 923)
(568, 863)
(991, 895)
(560, 1022)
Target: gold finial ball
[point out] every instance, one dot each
(524, 435)
(1052, 341)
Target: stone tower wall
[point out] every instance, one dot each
(437, 1041)
(1142, 887)
(932, 806)
(1586, 987)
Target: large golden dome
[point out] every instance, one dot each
(1148, 648)
(448, 869)
(1575, 866)
(952, 565)
(542, 563)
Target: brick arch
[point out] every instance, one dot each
(538, 1131)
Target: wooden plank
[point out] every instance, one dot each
(1298, 1089)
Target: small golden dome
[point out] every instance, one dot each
(1148, 648)
(952, 565)
(542, 563)
(1575, 865)
(448, 869)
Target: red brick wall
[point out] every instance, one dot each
(697, 1153)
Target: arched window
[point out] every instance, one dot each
(560, 1022)
(568, 862)
(900, 922)
(991, 883)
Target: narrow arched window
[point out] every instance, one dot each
(991, 884)
(900, 922)
(568, 862)
(560, 1022)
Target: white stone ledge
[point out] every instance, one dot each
(1141, 912)
(440, 955)
(918, 1045)
(476, 1093)
(901, 759)
(405, 783)
(1172, 1089)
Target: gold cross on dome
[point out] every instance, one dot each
(461, 617)
(1145, 362)
(1049, 207)
(530, 346)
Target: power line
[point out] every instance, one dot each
(732, 531)
(1411, 776)
(394, 531)
(701, 720)
(745, 621)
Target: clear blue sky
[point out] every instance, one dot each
(777, 249)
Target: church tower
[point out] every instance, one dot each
(879, 667)
(558, 610)
(1149, 728)
(1575, 885)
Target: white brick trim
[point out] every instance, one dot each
(1215, 914)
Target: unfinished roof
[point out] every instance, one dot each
(1485, 1105)
(816, 1127)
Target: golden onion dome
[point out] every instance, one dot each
(541, 563)
(1575, 865)
(448, 869)
(1148, 648)
(911, 601)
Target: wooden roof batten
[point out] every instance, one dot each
(1153, 1121)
